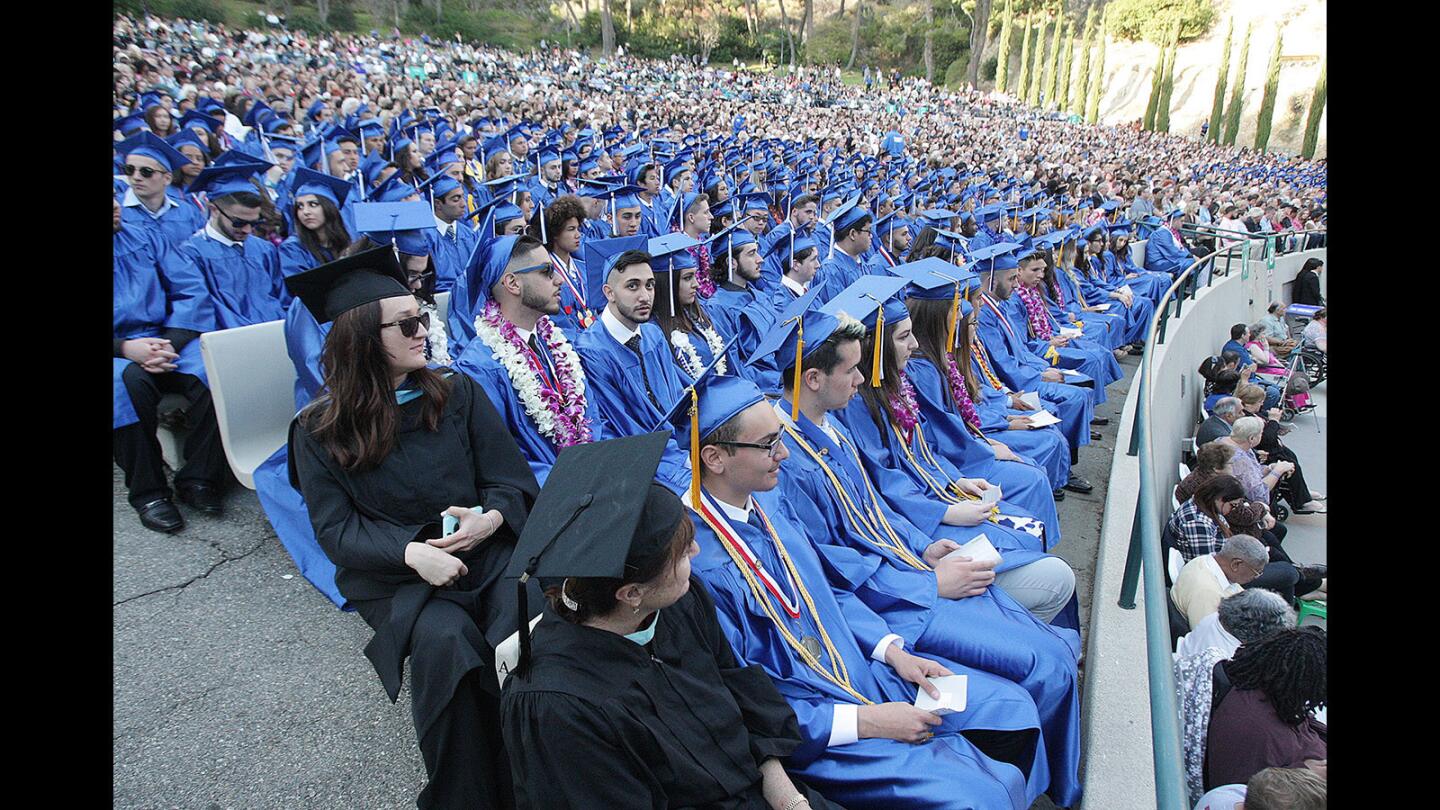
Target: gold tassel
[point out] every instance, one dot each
(694, 447)
(875, 369)
(952, 333)
(799, 356)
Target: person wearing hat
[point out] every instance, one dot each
(1137, 312)
(451, 237)
(734, 268)
(891, 241)
(1027, 313)
(241, 270)
(793, 601)
(1065, 291)
(1120, 265)
(417, 496)
(149, 165)
(160, 309)
(545, 186)
(799, 223)
(633, 375)
(850, 227)
(525, 363)
(320, 235)
(683, 316)
(1165, 250)
(628, 692)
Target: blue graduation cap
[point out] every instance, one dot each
(188, 136)
(398, 223)
(195, 119)
(871, 296)
(219, 180)
(669, 253)
(600, 258)
(314, 109)
(498, 211)
(486, 266)
(710, 401)
(308, 181)
(393, 190)
(798, 332)
(728, 241)
(438, 186)
(148, 144)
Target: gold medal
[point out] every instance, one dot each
(811, 645)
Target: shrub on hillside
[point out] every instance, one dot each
(207, 10)
(987, 68)
(1151, 20)
(955, 74)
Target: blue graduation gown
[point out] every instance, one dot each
(1022, 482)
(460, 320)
(450, 254)
(245, 283)
(1146, 282)
(613, 381)
(725, 305)
(155, 288)
(1093, 361)
(577, 300)
(1020, 370)
(1047, 446)
(178, 223)
(836, 273)
(479, 364)
(947, 772)
(294, 258)
(755, 319)
(1106, 328)
(1164, 255)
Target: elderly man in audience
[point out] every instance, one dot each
(1220, 421)
(1209, 578)
(1274, 330)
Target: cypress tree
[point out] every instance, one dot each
(1077, 96)
(1237, 91)
(1066, 60)
(1267, 102)
(1054, 64)
(1097, 84)
(1155, 81)
(1002, 63)
(1162, 110)
(1041, 70)
(1317, 108)
(1217, 110)
(1023, 91)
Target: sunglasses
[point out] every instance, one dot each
(240, 223)
(144, 171)
(771, 447)
(411, 325)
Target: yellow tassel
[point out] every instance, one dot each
(953, 325)
(799, 356)
(875, 368)
(694, 447)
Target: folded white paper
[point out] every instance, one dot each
(954, 689)
(1031, 398)
(991, 495)
(1070, 332)
(1104, 307)
(1070, 372)
(979, 549)
(1042, 418)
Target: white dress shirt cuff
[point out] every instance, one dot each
(879, 652)
(845, 728)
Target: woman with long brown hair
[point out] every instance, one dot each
(417, 493)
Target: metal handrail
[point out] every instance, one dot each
(1170, 789)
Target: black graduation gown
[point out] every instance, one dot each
(599, 721)
(363, 521)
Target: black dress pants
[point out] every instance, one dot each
(137, 450)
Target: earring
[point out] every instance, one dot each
(635, 609)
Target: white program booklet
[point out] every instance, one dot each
(990, 495)
(1104, 307)
(980, 550)
(953, 692)
(1125, 288)
(1070, 332)
(1042, 418)
(1031, 398)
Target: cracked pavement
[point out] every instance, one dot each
(237, 687)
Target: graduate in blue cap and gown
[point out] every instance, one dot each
(450, 236)
(628, 362)
(526, 364)
(1120, 266)
(734, 267)
(1066, 297)
(160, 308)
(320, 235)
(241, 270)
(1026, 313)
(797, 640)
(545, 186)
(496, 218)
(891, 242)
(684, 318)
(1165, 251)
(149, 165)
(1135, 309)
(1006, 357)
(841, 267)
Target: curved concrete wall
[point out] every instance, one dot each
(1119, 766)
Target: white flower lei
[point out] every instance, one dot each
(438, 341)
(525, 379)
(689, 358)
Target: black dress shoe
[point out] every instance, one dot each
(161, 515)
(1095, 436)
(1100, 420)
(1316, 571)
(1058, 495)
(203, 497)
(1078, 484)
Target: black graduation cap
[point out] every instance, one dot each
(599, 514)
(346, 283)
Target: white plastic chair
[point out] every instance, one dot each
(442, 305)
(1174, 563)
(252, 383)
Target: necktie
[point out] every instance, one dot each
(535, 347)
(451, 233)
(633, 344)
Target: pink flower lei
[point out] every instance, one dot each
(705, 286)
(1035, 312)
(903, 409)
(566, 401)
(961, 394)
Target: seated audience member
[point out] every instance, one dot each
(1273, 789)
(1277, 333)
(1260, 480)
(1218, 424)
(1222, 384)
(1318, 330)
(1247, 366)
(1201, 524)
(1265, 360)
(1252, 517)
(379, 457)
(1263, 701)
(611, 706)
(1307, 284)
(1302, 499)
(1208, 578)
(1242, 618)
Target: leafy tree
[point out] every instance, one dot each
(1317, 108)
(1097, 83)
(1002, 61)
(1135, 20)
(1167, 87)
(1267, 101)
(1237, 91)
(1023, 91)
(1077, 96)
(1217, 110)
(1156, 82)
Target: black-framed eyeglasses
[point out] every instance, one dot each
(771, 447)
(411, 325)
(240, 223)
(413, 278)
(145, 171)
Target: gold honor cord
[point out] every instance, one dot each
(841, 676)
(984, 366)
(941, 491)
(867, 521)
